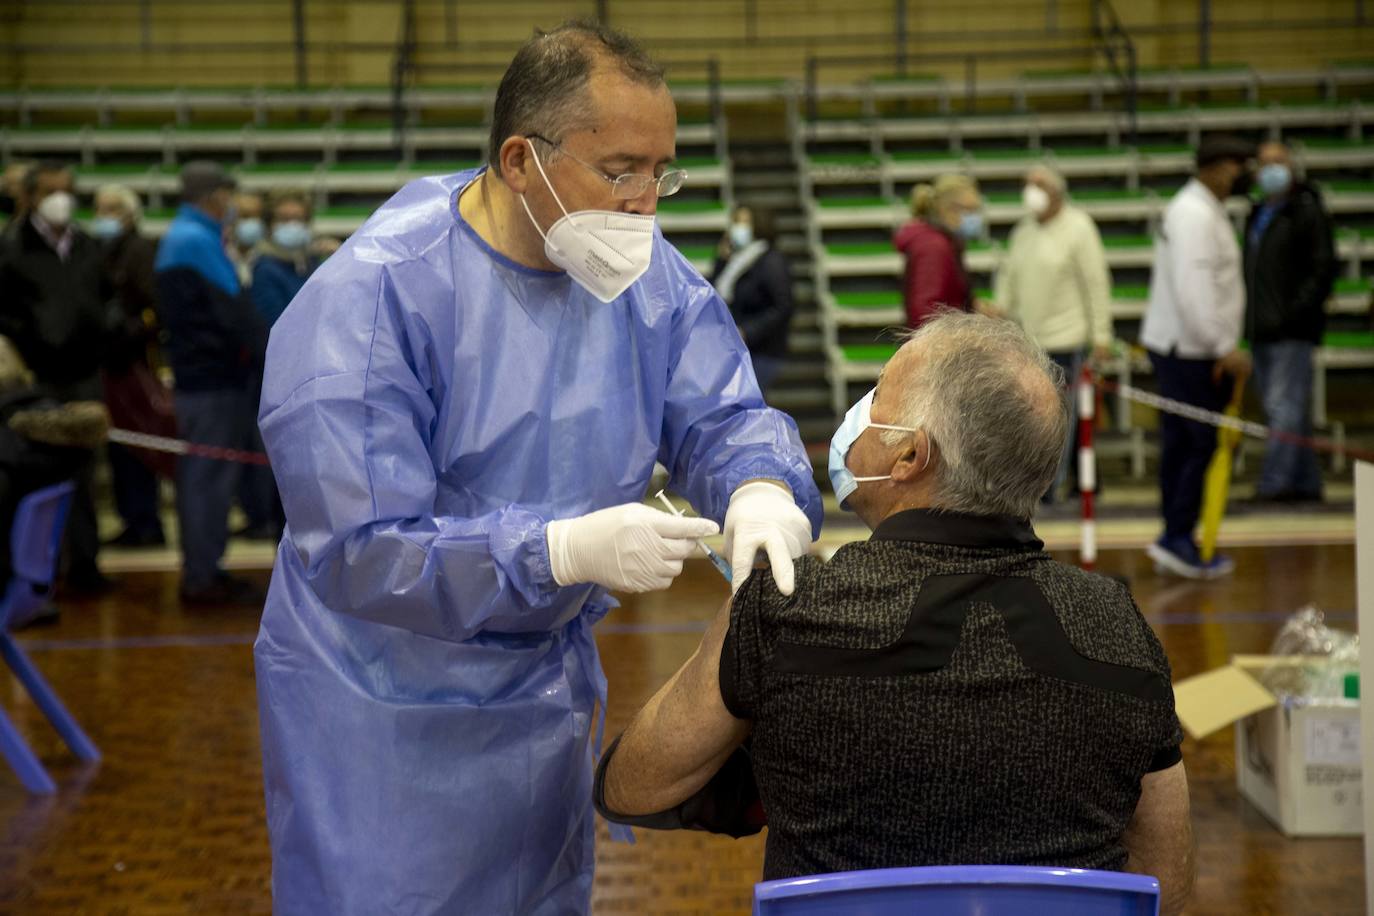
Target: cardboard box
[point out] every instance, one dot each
(1297, 760)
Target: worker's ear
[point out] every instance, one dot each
(914, 459)
(517, 165)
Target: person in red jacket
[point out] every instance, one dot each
(946, 215)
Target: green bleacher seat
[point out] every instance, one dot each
(1349, 340)
(876, 299)
(848, 202)
(920, 155)
(868, 353)
(349, 212)
(1127, 241)
(1335, 143)
(1087, 196)
(672, 205)
(114, 171)
(1107, 194)
(853, 160)
(851, 249)
(697, 162)
(1094, 152)
(1164, 149)
(698, 254)
(420, 168)
(272, 168)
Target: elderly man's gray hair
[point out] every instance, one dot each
(991, 401)
(544, 89)
(1050, 176)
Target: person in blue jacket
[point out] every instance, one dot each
(214, 343)
(284, 259)
(282, 262)
(463, 408)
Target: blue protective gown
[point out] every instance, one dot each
(425, 688)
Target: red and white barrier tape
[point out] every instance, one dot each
(1087, 467)
(1088, 390)
(182, 447)
(1245, 427)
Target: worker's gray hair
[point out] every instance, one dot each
(1050, 176)
(128, 199)
(991, 401)
(544, 88)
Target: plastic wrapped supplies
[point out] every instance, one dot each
(1335, 655)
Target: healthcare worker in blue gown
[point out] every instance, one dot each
(463, 408)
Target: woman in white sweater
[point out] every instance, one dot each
(1055, 283)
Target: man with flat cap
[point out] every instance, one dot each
(1192, 330)
(215, 343)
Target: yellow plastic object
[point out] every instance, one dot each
(1217, 486)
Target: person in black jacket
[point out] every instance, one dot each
(1290, 267)
(215, 343)
(129, 373)
(56, 306)
(753, 278)
(944, 693)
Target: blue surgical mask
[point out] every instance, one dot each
(107, 228)
(248, 231)
(1275, 178)
(293, 234)
(971, 225)
(856, 420)
(741, 234)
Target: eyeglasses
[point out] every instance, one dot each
(631, 185)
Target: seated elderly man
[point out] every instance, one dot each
(943, 693)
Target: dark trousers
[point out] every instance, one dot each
(1284, 372)
(1186, 446)
(205, 486)
(83, 533)
(135, 492)
(1071, 361)
(258, 497)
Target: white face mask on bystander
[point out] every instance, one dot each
(1035, 199)
(56, 209)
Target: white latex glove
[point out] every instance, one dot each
(764, 516)
(630, 548)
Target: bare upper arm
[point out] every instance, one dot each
(1159, 838)
(681, 736)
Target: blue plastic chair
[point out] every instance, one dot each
(962, 890)
(35, 545)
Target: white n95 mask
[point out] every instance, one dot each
(1035, 199)
(604, 251)
(57, 208)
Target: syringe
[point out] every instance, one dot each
(716, 559)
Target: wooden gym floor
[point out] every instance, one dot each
(171, 821)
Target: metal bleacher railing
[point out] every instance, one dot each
(1124, 163)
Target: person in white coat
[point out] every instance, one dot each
(1192, 331)
(1055, 283)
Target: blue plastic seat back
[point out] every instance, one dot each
(965, 890)
(35, 545)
